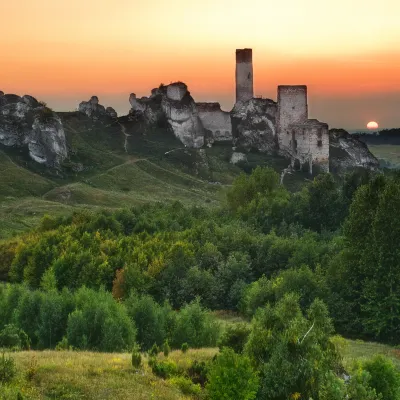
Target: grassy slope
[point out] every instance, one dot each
(86, 375)
(112, 176)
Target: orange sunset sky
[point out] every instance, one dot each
(346, 51)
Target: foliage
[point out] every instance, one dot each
(14, 338)
(166, 348)
(165, 369)
(7, 368)
(184, 347)
(136, 357)
(235, 337)
(196, 327)
(231, 376)
(186, 386)
(384, 377)
(292, 350)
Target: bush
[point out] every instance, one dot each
(198, 372)
(186, 386)
(196, 327)
(14, 338)
(136, 357)
(231, 376)
(166, 348)
(235, 337)
(154, 350)
(7, 368)
(164, 369)
(384, 377)
(184, 347)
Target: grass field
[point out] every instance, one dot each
(88, 375)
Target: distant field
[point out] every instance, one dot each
(390, 154)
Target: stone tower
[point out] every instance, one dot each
(244, 74)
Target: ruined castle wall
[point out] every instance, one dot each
(310, 143)
(292, 109)
(215, 120)
(244, 75)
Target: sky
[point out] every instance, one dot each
(346, 51)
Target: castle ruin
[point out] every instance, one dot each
(275, 127)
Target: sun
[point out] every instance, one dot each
(372, 125)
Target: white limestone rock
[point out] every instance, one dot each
(24, 122)
(174, 106)
(238, 157)
(347, 152)
(254, 125)
(182, 115)
(92, 108)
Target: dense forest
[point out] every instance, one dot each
(299, 267)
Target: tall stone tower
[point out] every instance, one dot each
(244, 74)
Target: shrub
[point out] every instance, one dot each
(235, 337)
(136, 357)
(166, 348)
(231, 376)
(198, 372)
(14, 338)
(7, 368)
(385, 378)
(63, 344)
(196, 327)
(165, 369)
(186, 386)
(184, 347)
(154, 350)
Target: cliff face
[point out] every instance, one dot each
(348, 152)
(254, 125)
(24, 122)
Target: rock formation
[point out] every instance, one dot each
(24, 122)
(347, 152)
(94, 110)
(254, 125)
(175, 105)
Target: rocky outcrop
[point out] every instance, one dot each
(24, 122)
(254, 125)
(111, 112)
(347, 152)
(94, 110)
(182, 115)
(174, 105)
